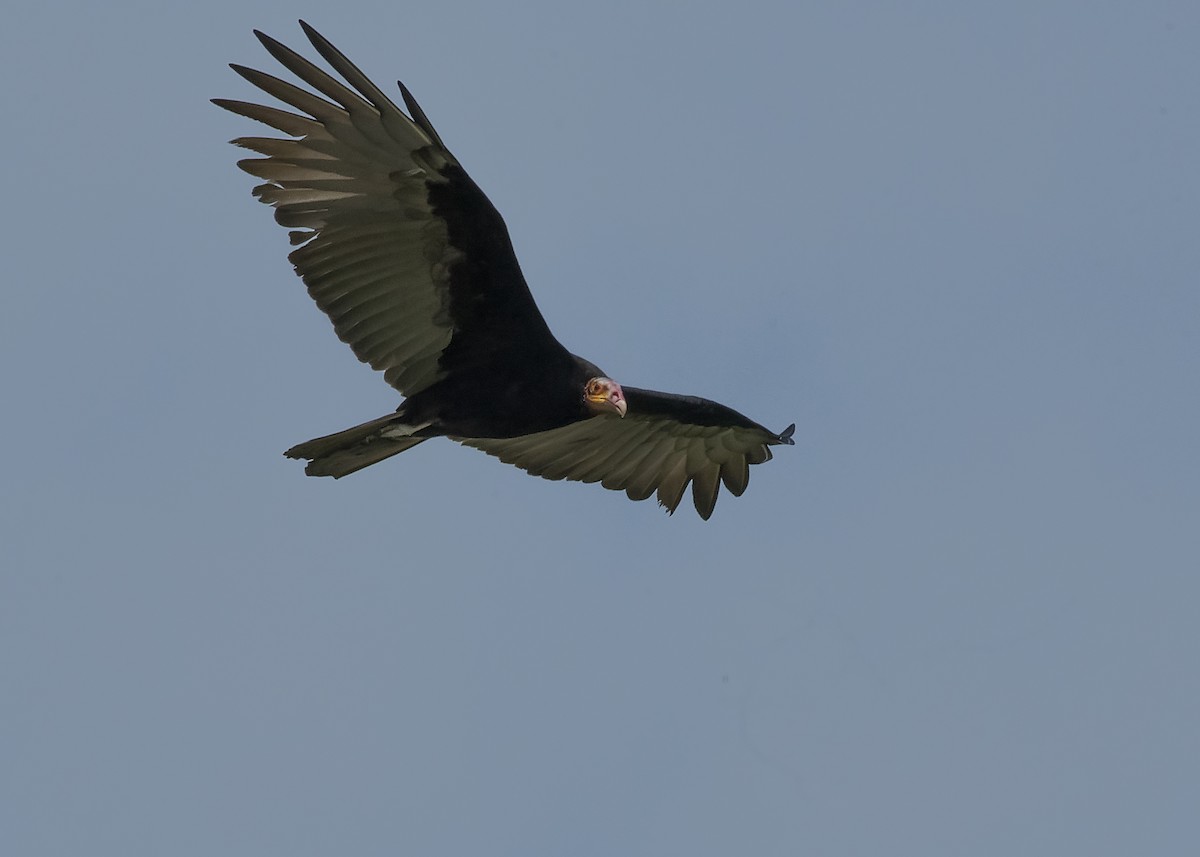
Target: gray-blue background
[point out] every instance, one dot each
(956, 243)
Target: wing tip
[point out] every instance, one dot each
(318, 41)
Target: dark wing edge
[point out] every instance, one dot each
(379, 208)
(665, 443)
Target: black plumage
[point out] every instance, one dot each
(414, 267)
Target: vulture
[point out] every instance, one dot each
(415, 269)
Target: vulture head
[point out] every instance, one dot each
(604, 396)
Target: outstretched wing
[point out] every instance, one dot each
(398, 246)
(663, 443)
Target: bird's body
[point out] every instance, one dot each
(506, 401)
(415, 268)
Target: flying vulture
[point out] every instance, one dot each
(414, 267)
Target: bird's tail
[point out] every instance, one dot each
(348, 451)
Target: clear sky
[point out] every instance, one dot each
(956, 243)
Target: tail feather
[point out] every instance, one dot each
(349, 451)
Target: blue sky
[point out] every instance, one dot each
(956, 245)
